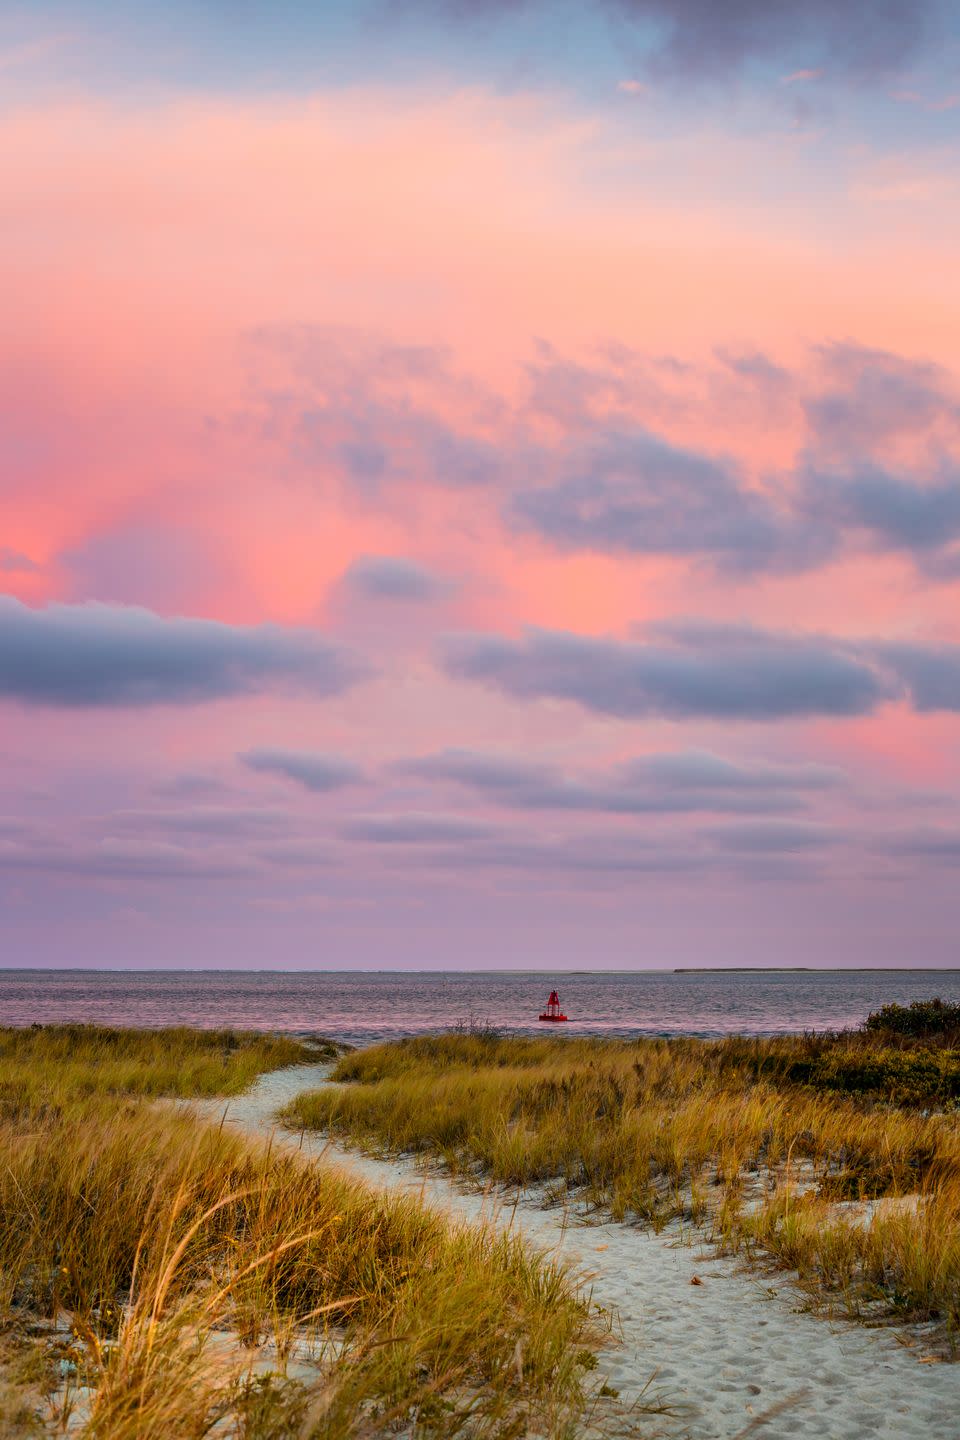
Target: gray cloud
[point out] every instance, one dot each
(598, 861)
(701, 37)
(872, 396)
(684, 783)
(894, 514)
(575, 859)
(768, 836)
(483, 771)
(415, 827)
(389, 445)
(569, 391)
(637, 494)
(930, 673)
(306, 767)
(699, 40)
(390, 577)
(120, 857)
(717, 672)
(615, 486)
(932, 843)
(702, 770)
(106, 655)
(300, 855)
(200, 820)
(458, 460)
(377, 409)
(754, 366)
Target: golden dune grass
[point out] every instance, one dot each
(160, 1237)
(68, 1062)
(661, 1128)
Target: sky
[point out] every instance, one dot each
(479, 484)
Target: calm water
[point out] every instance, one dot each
(360, 1008)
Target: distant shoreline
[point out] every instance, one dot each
(810, 970)
(541, 971)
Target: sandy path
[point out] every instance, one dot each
(724, 1351)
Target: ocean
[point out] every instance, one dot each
(362, 1007)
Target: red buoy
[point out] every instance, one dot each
(553, 1011)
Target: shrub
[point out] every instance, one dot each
(921, 1018)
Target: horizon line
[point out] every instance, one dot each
(452, 970)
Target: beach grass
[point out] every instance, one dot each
(836, 1155)
(61, 1064)
(152, 1255)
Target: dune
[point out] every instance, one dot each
(728, 1351)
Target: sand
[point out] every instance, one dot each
(726, 1351)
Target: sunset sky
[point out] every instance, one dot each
(480, 483)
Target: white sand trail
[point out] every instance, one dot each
(725, 1351)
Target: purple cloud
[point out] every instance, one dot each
(391, 577)
(414, 828)
(930, 673)
(697, 40)
(766, 836)
(15, 562)
(144, 564)
(125, 859)
(683, 783)
(636, 494)
(916, 516)
(320, 773)
(872, 396)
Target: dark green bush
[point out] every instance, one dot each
(905, 1069)
(920, 1019)
(906, 1077)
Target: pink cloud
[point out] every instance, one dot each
(248, 343)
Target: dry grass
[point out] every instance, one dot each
(764, 1136)
(162, 1246)
(61, 1064)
